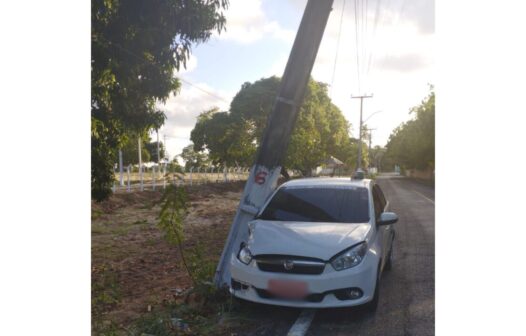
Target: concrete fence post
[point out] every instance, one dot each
(128, 173)
(153, 177)
(164, 175)
(140, 177)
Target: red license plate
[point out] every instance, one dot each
(288, 289)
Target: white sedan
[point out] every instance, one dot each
(316, 243)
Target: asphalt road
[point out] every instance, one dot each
(407, 292)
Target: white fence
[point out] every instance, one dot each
(157, 177)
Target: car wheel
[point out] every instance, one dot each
(389, 262)
(372, 305)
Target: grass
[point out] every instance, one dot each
(105, 289)
(137, 276)
(218, 314)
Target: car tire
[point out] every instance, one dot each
(389, 263)
(371, 306)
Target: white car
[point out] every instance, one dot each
(316, 243)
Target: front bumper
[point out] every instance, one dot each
(321, 286)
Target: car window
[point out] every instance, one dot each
(319, 204)
(381, 196)
(377, 203)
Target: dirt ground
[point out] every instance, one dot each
(134, 270)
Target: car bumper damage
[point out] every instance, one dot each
(329, 289)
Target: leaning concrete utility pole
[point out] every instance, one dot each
(264, 174)
(359, 166)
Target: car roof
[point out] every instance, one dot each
(327, 182)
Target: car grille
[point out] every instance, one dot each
(298, 265)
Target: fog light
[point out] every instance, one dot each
(238, 285)
(354, 293)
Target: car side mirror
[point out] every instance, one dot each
(387, 218)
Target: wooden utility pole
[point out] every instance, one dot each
(359, 166)
(266, 170)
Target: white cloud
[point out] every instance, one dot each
(278, 67)
(182, 110)
(401, 56)
(402, 66)
(247, 23)
(191, 64)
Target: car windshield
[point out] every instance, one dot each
(319, 204)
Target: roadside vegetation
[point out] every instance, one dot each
(136, 51)
(232, 137)
(140, 284)
(412, 144)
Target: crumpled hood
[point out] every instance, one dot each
(316, 240)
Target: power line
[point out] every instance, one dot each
(201, 89)
(375, 25)
(159, 67)
(337, 48)
(357, 53)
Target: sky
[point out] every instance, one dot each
(385, 50)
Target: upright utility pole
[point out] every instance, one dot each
(360, 142)
(370, 140)
(266, 170)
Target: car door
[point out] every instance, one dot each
(388, 231)
(381, 232)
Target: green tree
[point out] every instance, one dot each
(232, 137)
(130, 150)
(136, 48)
(412, 144)
(193, 158)
(151, 147)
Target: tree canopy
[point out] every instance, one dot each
(136, 48)
(412, 144)
(193, 158)
(232, 137)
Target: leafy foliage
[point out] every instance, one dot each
(136, 47)
(151, 147)
(172, 213)
(130, 150)
(198, 266)
(193, 158)
(232, 137)
(412, 144)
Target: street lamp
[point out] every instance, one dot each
(369, 117)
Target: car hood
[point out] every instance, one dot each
(316, 240)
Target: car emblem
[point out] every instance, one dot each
(288, 264)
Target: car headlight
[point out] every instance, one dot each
(244, 255)
(350, 258)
